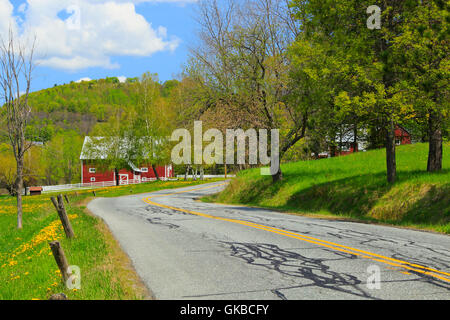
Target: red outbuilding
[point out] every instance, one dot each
(402, 136)
(94, 171)
(348, 145)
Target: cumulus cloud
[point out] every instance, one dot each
(83, 79)
(122, 79)
(88, 34)
(6, 18)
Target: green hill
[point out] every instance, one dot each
(80, 106)
(354, 186)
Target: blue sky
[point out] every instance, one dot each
(98, 38)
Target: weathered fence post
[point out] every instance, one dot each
(67, 198)
(60, 259)
(59, 205)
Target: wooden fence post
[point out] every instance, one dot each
(60, 259)
(59, 205)
(67, 198)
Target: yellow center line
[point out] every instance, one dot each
(335, 246)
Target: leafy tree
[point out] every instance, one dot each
(61, 158)
(422, 51)
(369, 65)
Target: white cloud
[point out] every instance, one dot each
(83, 79)
(6, 19)
(22, 7)
(122, 79)
(92, 33)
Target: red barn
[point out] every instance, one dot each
(402, 136)
(93, 171)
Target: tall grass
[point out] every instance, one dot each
(354, 186)
(28, 269)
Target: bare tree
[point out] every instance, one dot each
(16, 67)
(243, 57)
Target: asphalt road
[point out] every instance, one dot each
(186, 249)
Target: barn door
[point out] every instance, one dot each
(137, 177)
(123, 179)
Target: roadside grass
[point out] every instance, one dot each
(354, 187)
(28, 269)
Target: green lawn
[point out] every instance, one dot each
(355, 187)
(27, 267)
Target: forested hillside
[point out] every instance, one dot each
(61, 117)
(78, 106)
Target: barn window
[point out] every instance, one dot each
(92, 170)
(92, 179)
(144, 169)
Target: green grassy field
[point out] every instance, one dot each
(27, 267)
(355, 187)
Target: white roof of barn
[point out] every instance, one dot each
(95, 148)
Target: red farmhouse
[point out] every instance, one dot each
(93, 173)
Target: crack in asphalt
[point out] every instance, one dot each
(157, 221)
(295, 265)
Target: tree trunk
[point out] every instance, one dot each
(435, 143)
(202, 171)
(390, 153)
(277, 176)
(19, 187)
(116, 172)
(187, 172)
(155, 172)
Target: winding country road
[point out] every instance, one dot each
(186, 249)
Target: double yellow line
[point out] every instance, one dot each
(331, 245)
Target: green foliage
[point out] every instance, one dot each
(60, 158)
(354, 187)
(28, 269)
(138, 134)
(78, 106)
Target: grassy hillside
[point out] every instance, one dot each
(28, 269)
(354, 186)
